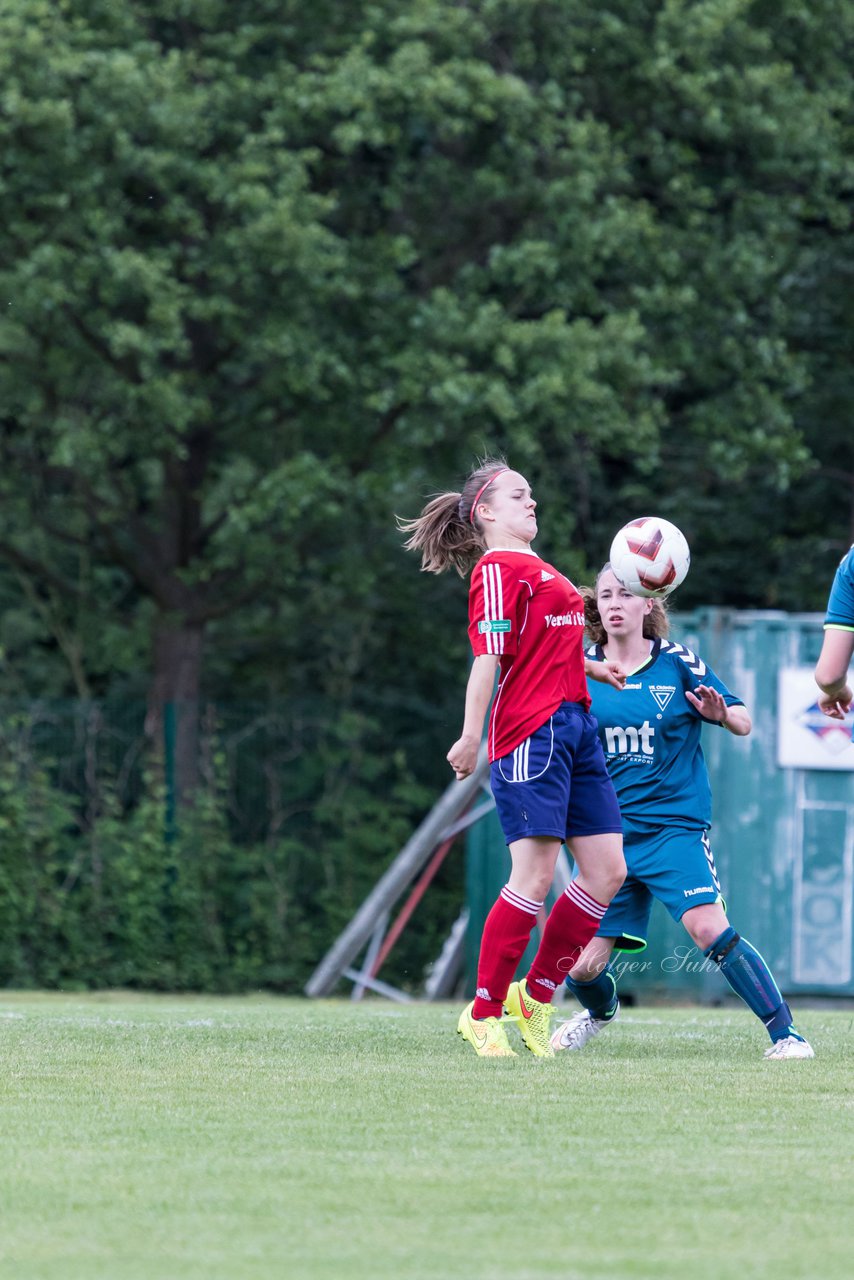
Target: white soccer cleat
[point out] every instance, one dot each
(580, 1028)
(791, 1047)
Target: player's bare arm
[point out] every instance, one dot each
(607, 672)
(837, 707)
(462, 756)
(831, 673)
(712, 706)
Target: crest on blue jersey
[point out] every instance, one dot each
(662, 693)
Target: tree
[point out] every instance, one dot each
(163, 259)
(272, 273)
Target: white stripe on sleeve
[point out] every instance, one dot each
(487, 606)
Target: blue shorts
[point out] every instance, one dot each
(556, 782)
(673, 864)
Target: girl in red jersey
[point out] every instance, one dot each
(548, 772)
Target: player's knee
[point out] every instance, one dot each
(614, 875)
(588, 968)
(543, 886)
(604, 884)
(705, 927)
(533, 884)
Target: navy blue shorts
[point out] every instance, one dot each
(556, 782)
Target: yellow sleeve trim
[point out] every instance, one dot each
(837, 626)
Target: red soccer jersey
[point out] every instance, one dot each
(530, 616)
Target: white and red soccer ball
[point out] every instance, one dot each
(650, 556)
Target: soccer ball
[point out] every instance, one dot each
(650, 556)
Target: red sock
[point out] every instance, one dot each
(505, 936)
(572, 922)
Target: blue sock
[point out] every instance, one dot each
(752, 980)
(598, 997)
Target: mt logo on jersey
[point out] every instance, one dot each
(630, 741)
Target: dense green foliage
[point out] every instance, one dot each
(98, 887)
(271, 273)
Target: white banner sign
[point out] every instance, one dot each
(806, 739)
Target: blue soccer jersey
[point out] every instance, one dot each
(651, 736)
(840, 606)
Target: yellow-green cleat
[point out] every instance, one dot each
(532, 1017)
(486, 1036)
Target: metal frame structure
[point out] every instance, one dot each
(421, 856)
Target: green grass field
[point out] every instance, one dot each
(167, 1137)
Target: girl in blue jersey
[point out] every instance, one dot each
(831, 672)
(651, 731)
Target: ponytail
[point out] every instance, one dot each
(448, 532)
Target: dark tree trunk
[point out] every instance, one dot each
(173, 711)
